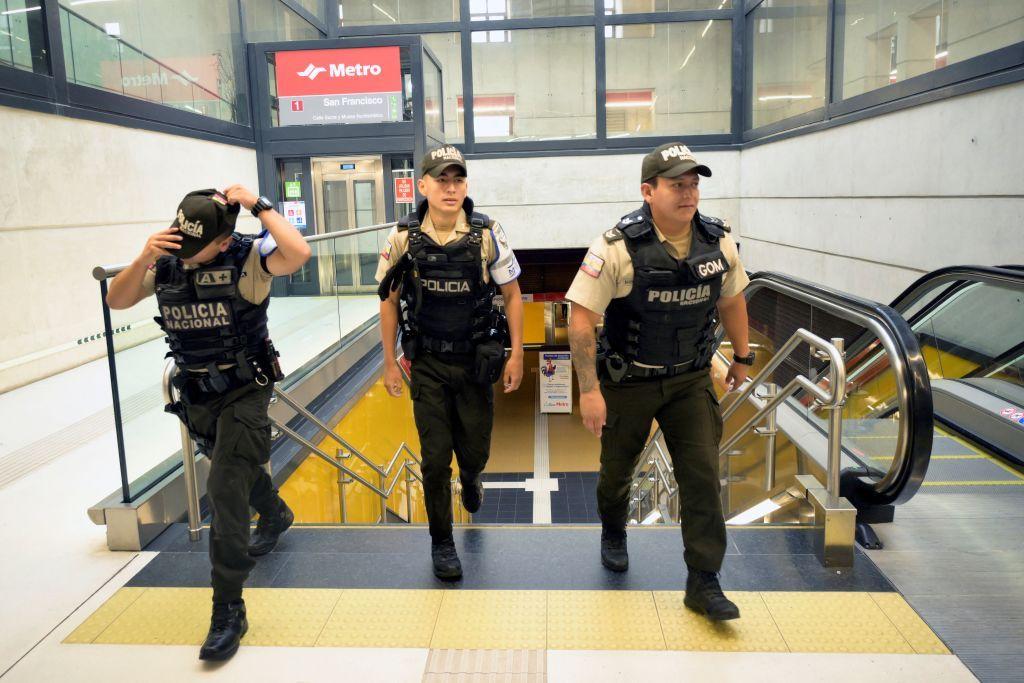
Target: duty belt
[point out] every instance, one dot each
(619, 369)
(444, 346)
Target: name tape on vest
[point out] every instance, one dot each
(684, 297)
(185, 317)
(214, 278)
(446, 286)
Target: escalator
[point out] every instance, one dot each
(950, 347)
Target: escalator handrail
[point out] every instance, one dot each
(914, 439)
(994, 275)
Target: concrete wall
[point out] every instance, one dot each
(559, 202)
(74, 195)
(871, 206)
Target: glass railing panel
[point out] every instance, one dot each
(95, 55)
(975, 328)
(309, 319)
(303, 315)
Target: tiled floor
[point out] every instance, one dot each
(505, 505)
(575, 501)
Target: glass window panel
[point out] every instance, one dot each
(432, 104)
(787, 39)
(667, 79)
(447, 47)
(187, 54)
(22, 36)
(887, 42)
(269, 20)
(513, 79)
(612, 7)
(314, 7)
(528, 9)
(384, 12)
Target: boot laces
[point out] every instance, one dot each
(222, 614)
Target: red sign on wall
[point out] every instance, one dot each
(339, 72)
(404, 192)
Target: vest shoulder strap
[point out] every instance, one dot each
(634, 225)
(714, 227)
(478, 222)
(164, 267)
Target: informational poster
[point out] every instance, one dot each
(347, 85)
(555, 383)
(292, 189)
(295, 212)
(404, 191)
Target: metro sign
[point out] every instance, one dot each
(346, 85)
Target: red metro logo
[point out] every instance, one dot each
(342, 71)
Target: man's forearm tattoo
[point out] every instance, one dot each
(583, 345)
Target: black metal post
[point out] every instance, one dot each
(108, 335)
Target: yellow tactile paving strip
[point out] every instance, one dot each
(524, 620)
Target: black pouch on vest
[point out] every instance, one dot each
(490, 359)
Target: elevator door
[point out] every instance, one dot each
(349, 194)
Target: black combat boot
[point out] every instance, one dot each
(613, 549)
(269, 528)
(472, 494)
(226, 630)
(704, 595)
(446, 561)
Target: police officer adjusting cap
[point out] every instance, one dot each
(203, 216)
(437, 159)
(671, 161)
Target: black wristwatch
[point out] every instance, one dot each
(261, 205)
(744, 360)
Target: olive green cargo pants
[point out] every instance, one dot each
(238, 425)
(688, 414)
(453, 413)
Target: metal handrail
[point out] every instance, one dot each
(832, 400)
(409, 466)
(101, 273)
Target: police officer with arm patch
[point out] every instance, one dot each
(438, 274)
(212, 287)
(662, 277)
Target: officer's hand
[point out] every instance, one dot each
(237, 194)
(736, 376)
(163, 243)
(593, 410)
(393, 379)
(513, 373)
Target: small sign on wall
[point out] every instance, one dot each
(404, 191)
(295, 212)
(555, 383)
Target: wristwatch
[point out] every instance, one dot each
(261, 205)
(744, 360)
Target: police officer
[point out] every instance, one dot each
(438, 274)
(212, 287)
(662, 277)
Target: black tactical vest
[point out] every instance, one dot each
(669, 317)
(445, 301)
(205, 318)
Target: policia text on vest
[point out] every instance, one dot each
(212, 287)
(662, 278)
(438, 275)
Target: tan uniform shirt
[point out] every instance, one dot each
(499, 261)
(253, 283)
(607, 270)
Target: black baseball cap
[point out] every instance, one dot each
(671, 161)
(436, 159)
(203, 216)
